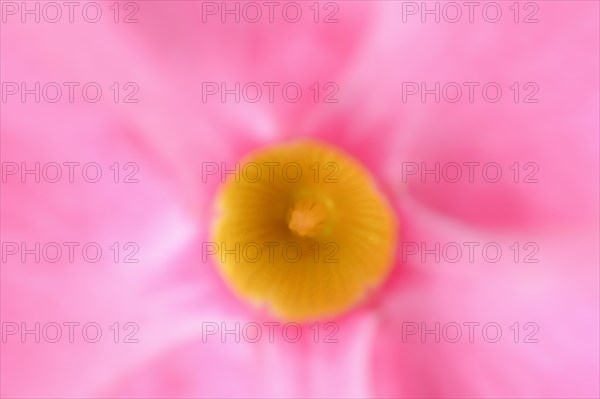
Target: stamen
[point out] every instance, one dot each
(307, 218)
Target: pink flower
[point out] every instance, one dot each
(371, 60)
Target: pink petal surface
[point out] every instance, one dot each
(547, 354)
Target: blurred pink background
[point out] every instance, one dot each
(153, 124)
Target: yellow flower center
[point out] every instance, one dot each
(303, 229)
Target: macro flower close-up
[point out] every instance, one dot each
(321, 199)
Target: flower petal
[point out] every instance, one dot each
(553, 141)
(462, 328)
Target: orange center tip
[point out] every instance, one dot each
(307, 218)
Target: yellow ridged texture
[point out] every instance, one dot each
(332, 212)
